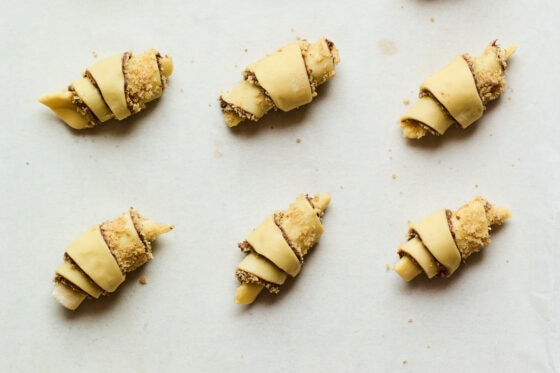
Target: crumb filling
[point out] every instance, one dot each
(138, 227)
(104, 234)
(312, 82)
(126, 56)
(226, 106)
(298, 255)
(249, 278)
(142, 85)
(163, 80)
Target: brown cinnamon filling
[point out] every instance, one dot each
(226, 106)
(249, 278)
(296, 252)
(138, 228)
(468, 59)
(126, 56)
(104, 235)
(162, 78)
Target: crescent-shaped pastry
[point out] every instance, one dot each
(285, 79)
(439, 243)
(114, 87)
(97, 261)
(458, 93)
(276, 248)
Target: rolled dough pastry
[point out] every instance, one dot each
(276, 248)
(458, 93)
(96, 262)
(285, 79)
(439, 243)
(114, 87)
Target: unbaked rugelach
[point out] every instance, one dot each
(96, 262)
(276, 248)
(285, 79)
(458, 93)
(114, 87)
(438, 243)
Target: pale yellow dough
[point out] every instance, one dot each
(276, 248)
(97, 261)
(439, 243)
(458, 93)
(285, 79)
(114, 87)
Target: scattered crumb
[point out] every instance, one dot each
(387, 47)
(292, 29)
(432, 19)
(406, 101)
(245, 50)
(143, 280)
(476, 185)
(405, 362)
(410, 320)
(271, 127)
(341, 187)
(428, 346)
(235, 66)
(27, 163)
(298, 140)
(218, 154)
(507, 261)
(387, 266)
(298, 37)
(182, 90)
(94, 53)
(394, 176)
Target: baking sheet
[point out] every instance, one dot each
(177, 162)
